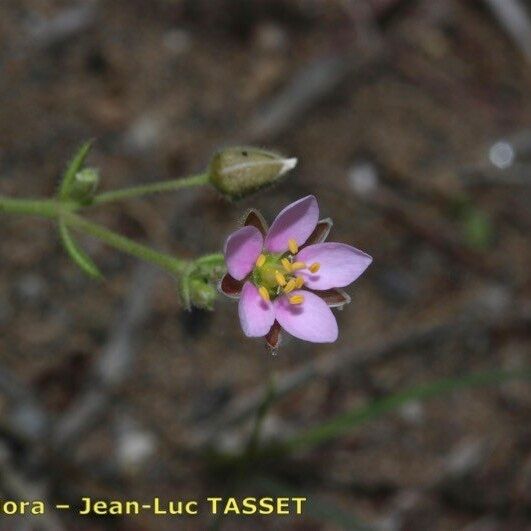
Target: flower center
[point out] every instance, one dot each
(275, 274)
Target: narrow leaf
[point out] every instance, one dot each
(77, 254)
(345, 422)
(75, 165)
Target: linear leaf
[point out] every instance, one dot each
(345, 422)
(78, 255)
(75, 165)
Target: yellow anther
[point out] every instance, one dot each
(315, 267)
(260, 261)
(298, 265)
(299, 282)
(296, 299)
(290, 286)
(286, 264)
(264, 293)
(280, 278)
(292, 246)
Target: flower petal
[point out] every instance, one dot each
(256, 315)
(230, 287)
(340, 265)
(297, 221)
(255, 219)
(312, 320)
(242, 248)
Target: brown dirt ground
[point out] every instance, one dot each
(161, 84)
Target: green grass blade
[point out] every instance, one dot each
(75, 165)
(78, 255)
(345, 422)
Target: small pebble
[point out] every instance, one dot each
(363, 178)
(178, 41)
(502, 155)
(271, 37)
(31, 288)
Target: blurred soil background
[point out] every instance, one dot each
(412, 124)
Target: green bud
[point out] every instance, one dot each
(84, 186)
(240, 171)
(202, 294)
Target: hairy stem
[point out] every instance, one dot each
(44, 208)
(165, 261)
(52, 209)
(153, 188)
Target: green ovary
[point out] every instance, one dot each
(265, 275)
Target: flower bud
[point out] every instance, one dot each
(240, 171)
(84, 186)
(202, 294)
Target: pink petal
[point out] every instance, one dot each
(256, 315)
(312, 320)
(340, 265)
(242, 248)
(297, 221)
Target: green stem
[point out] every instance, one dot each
(153, 188)
(44, 208)
(169, 263)
(51, 209)
(261, 413)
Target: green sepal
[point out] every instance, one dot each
(75, 165)
(213, 260)
(84, 262)
(184, 287)
(210, 267)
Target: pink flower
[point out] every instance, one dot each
(287, 277)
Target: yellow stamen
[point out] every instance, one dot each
(296, 299)
(292, 246)
(299, 282)
(315, 267)
(260, 261)
(281, 279)
(286, 264)
(264, 293)
(290, 286)
(298, 265)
